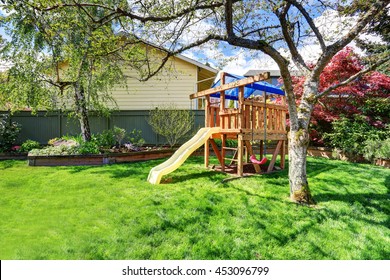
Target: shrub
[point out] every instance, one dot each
(29, 145)
(90, 147)
(350, 136)
(171, 122)
(377, 149)
(9, 132)
(111, 137)
(135, 138)
(105, 139)
(119, 135)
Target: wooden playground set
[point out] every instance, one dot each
(247, 110)
(252, 119)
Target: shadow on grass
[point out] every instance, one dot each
(315, 168)
(211, 175)
(7, 164)
(117, 171)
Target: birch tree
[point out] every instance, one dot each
(61, 59)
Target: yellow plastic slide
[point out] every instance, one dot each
(181, 154)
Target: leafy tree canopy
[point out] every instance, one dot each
(367, 95)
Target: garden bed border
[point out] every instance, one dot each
(68, 160)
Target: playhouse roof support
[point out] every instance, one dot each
(223, 87)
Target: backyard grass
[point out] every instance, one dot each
(111, 212)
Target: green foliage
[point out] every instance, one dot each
(119, 134)
(350, 136)
(112, 212)
(9, 132)
(376, 149)
(106, 139)
(135, 138)
(229, 143)
(55, 151)
(171, 122)
(84, 148)
(29, 145)
(89, 147)
(115, 137)
(62, 59)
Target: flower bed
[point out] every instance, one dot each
(66, 160)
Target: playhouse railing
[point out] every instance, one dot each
(249, 117)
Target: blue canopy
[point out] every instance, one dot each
(255, 88)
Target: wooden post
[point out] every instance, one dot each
(222, 101)
(240, 165)
(207, 116)
(216, 151)
(207, 153)
(223, 151)
(283, 155)
(241, 123)
(274, 156)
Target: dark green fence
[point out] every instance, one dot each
(47, 125)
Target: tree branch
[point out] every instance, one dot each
(310, 22)
(331, 50)
(134, 16)
(296, 56)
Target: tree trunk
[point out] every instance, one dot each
(298, 143)
(299, 187)
(82, 112)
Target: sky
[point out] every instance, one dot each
(239, 61)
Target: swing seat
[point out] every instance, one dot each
(253, 159)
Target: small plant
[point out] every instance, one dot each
(170, 122)
(9, 132)
(29, 145)
(90, 147)
(55, 151)
(106, 139)
(119, 135)
(377, 149)
(135, 138)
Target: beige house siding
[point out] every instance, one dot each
(180, 77)
(173, 85)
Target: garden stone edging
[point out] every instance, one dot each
(69, 160)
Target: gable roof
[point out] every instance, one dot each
(197, 63)
(180, 56)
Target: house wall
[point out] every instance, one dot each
(173, 85)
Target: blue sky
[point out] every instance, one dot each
(239, 61)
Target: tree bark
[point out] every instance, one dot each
(299, 186)
(298, 143)
(82, 112)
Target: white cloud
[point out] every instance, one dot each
(332, 26)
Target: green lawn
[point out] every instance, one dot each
(111, 212)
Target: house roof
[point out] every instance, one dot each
(180, 56)
(273, 73)
(197, 63)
